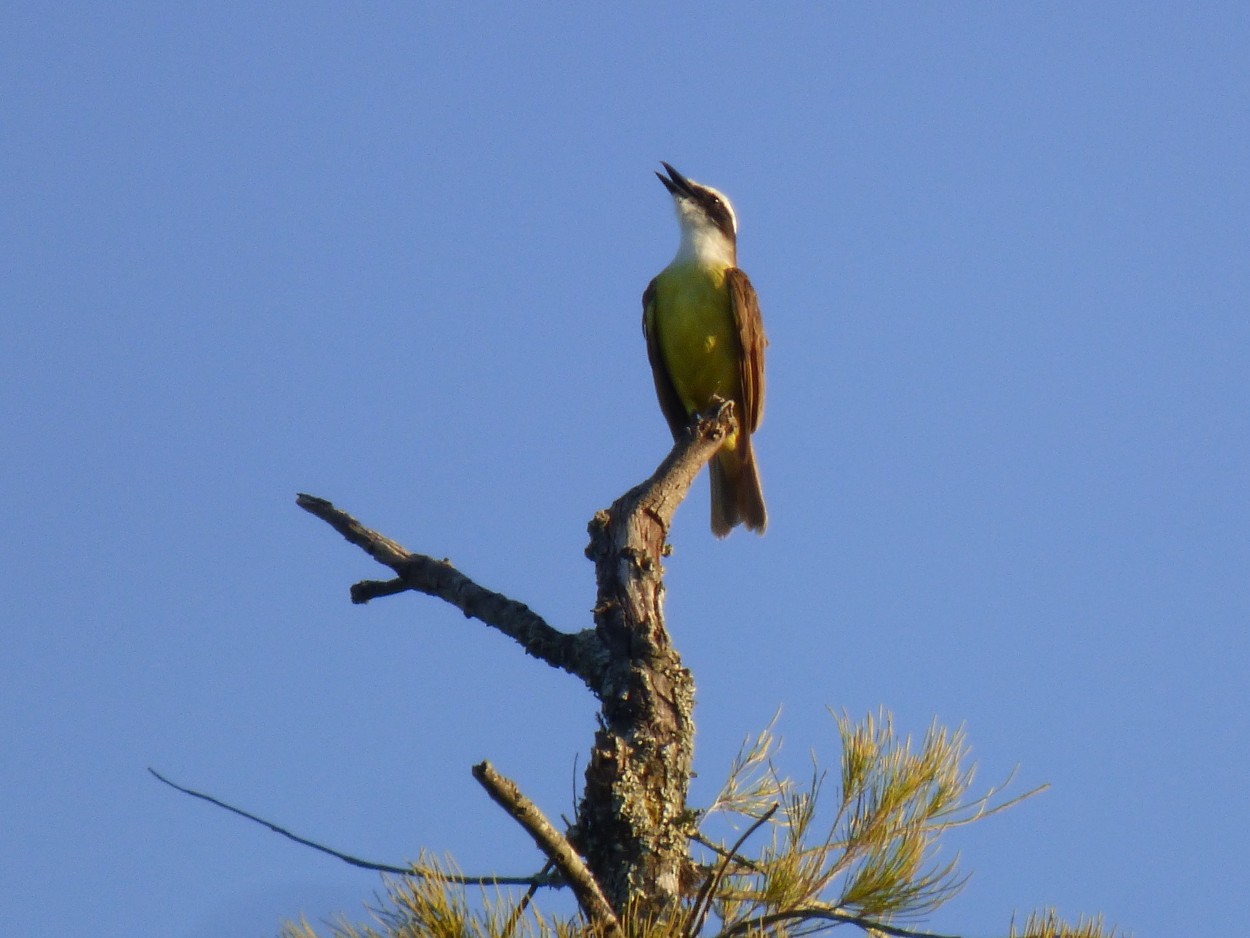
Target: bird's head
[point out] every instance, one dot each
(709, 227)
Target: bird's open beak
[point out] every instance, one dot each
(674, 182)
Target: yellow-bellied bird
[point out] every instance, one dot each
(706, 341)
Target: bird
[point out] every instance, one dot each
(705, 342)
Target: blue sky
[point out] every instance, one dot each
(393, 257)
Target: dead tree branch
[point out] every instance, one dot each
(553, 844)
(579, 654)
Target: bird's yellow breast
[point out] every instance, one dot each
(697, 335)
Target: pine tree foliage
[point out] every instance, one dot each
(431, 905)
(863, 855)
(874, 862)
(1048, 924)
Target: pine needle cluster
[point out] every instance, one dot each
(434, 904)
(873, 863)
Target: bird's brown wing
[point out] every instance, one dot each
(746, 310)
(670, 403)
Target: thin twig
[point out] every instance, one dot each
(542, 879)
(703, 903)
(515, 915)
(833, 915)
(553, 844)
(722, 851)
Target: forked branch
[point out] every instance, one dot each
(578, 653)
(632, 825)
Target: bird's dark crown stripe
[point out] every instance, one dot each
(682, 187)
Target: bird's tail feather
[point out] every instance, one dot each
(737, 497)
